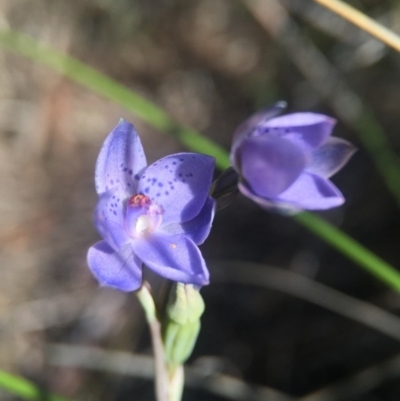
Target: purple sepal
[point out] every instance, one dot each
(120, 270)
(331, 157)
(309, 130)
(247, 127)
(311, 192)
(271, 164)
(109, 219)
(121, 160)
(175, 257)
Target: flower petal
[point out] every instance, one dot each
(270, 164)
(109, 219)
(179, 183)
(120, 270)
(312, 192)
(331, 157)
(309, 130)
(198, 228)
(247, 127)
(174, 257)
(121, 160)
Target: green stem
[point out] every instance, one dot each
(351, 248)
(177, 381)
(161, 374)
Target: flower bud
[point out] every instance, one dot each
(182, 322)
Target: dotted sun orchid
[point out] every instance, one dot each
(285, 162)
(155, 215)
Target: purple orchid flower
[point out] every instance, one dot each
(285, 162)
(155, 215)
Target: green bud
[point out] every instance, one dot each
(182, 322)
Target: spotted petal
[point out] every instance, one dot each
(309, 130)
(109, 219)
(120, 270)
(180, 184)
(121, 160)
(270, 164)
(247, 128)
(174, 257)
(331, 157)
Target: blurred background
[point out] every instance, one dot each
(209, 64)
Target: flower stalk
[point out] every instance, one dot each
(161, 374)
(173, 341)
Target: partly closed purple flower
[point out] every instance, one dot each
(155, 215)
(285, 162)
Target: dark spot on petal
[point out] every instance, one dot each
(112, 182)
(136, 176)
(115, 213)
(126, 169)
(160, 184)
(147, 190)
(166, 193)
(181, 160)
(158, 194)
(174, 163)
(130, 172)
(154, 180)
(180, 174)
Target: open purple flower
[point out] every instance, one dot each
(155, 215)
(285, 162)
